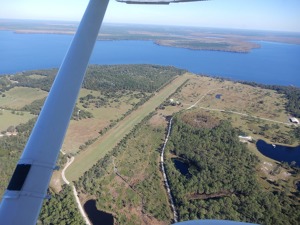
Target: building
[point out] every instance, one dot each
(245, 138)
(294, 120)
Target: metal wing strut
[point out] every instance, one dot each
(27, 189)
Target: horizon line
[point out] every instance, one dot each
(149, 24)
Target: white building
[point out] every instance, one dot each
(294, 120)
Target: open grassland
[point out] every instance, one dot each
(18, 97)
(11, 118)
(113, 108)
(80, 132)
(84, 130)
(86, 159)
(257, 112)
(36, 76)
(234, 97)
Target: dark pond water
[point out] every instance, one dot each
(181, 166)
(218, 96)
(95, 216)
(279, 153)
(298, 185)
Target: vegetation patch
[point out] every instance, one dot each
(127, 182)
(223, 184)
(84, 161)
(52, 209)
(12, 118)
(18, 97)
(200, 119)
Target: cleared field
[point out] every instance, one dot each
(18, 97)
(84, 130)
(81, 131)
(235, 97)
(86, 159)
(36, 76)
(213, 94)
(7, 118)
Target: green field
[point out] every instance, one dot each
(13, 118)
(84, 130)
(18, 97)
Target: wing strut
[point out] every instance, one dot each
(27, 189)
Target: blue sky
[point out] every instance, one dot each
(282, 15)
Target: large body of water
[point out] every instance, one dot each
(273, 63)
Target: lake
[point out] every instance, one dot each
(95, 216)
(273, 63)
(279, 153)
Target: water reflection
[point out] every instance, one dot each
(298, 185)
(95, 216)
(181, 166)
(218, 96)
(279, 152)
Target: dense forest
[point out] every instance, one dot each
(10, 151)
(5, 84)
(144, 78)
(221, 182)
(60, 209)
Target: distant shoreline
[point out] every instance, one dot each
(236, 41)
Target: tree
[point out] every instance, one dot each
(11, 129)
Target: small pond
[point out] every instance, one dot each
(95, 216)
(279, 152)
(298, 185)
(218, 96)
(181, 166)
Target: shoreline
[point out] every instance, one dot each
(235, 42)
(162, 42)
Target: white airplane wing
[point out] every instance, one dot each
(24, 196)
(156, 2)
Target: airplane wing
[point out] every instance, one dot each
(155, 2)
(212, 222)
(24, 196)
